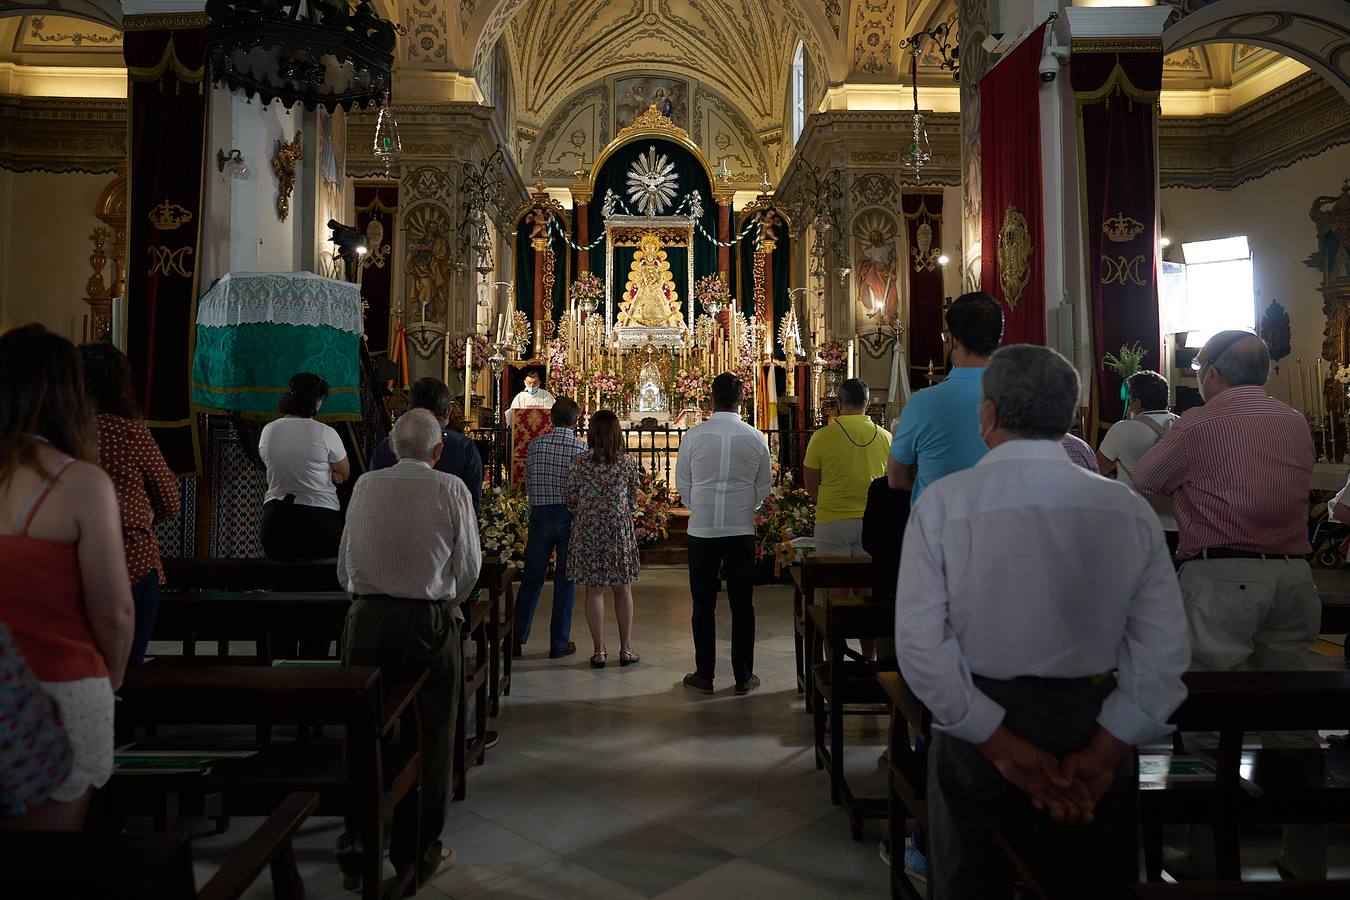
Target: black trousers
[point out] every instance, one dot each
(710, 559)
(968, 800)
(292, 532)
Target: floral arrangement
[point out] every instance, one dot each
(563, 379)
(712, 292)
(692, 385)
(608, 383)
(651, 519)
(504, 523)
(480, 351)
(587, 291)
(834, 355)
(785, 514)
(1127, 361)
(1343, 375)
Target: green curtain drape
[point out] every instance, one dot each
(614, 176)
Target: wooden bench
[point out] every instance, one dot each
(1262, 786)
(843, 686)
(1335, 613)
(812, 574)
(250, 575)
(907, 773)
(257, 616)
(367, 775)
(470, 749)
(501, 627)
(133, 866)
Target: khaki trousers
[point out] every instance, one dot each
(1256, 615)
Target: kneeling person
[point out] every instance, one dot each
(409, 555)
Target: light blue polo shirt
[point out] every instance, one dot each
(940, 429)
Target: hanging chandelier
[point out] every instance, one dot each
(918, 153)
(388, 147)
(313, 52)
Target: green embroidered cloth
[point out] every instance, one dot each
(256, 330)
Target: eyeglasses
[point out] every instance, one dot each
(1198, 365)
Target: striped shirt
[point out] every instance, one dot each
(1080, 452)
(548, 464)
(1238, 470)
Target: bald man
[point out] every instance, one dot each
(1239, 470)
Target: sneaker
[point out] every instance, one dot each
(566, 651)
(884, 851)
(748, 685)
(490, 740)
(702, 685)
(444, 861)
(916, 867)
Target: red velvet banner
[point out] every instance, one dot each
(923, 331)
(1117, 118)
(1011, 236)
(166, 98)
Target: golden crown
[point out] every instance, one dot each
(1122, 229)
(168, 216)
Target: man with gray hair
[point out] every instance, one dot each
(1038, 694)
(409, 556)
(1239, 471)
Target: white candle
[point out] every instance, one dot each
(468, 375)
(850, 359)
(501, 317)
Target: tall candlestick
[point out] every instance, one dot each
(1320, 401)
(468, 375)
(501, 318)
(1302, 382)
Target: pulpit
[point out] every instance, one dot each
(526, 425)
(257, 329)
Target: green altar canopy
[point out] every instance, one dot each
(257, 329)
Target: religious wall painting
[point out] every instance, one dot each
(875, 266)
(426, 262)
(633, 97)
(330, 196)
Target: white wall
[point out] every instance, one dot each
(45, 247)
(1273, 213)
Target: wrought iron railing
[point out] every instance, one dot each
(655, 449)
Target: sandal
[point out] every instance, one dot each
(598, 660)
(628, 658)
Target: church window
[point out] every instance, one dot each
(798, 91)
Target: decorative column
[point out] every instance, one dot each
(166, 100)
(581, 201)
(722, 197)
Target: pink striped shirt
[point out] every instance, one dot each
(1239, 471)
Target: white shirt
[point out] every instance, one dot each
(1125, 444)
(299, 455)
(411, 532)
(540, 399)
(1027, 564)
(723, 474)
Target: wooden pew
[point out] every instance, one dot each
(907, 774)
(1261, 786)
(257, 616)
(469, 751)
(133, 866)
(815, 573)
(496, 578)
(250, 575)
(366, 775)
(1335, 613)
(843, 686)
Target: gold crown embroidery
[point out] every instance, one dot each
(1121, 228)
(169, 216)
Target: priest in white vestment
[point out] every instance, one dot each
(532, 397)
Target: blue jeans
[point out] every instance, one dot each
(145, 597)
(550, 529)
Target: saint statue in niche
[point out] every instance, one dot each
(649, 298)
(650, 399)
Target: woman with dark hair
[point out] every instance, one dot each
(147, 491)
(602, 551)
(305, 461)
(64, 591)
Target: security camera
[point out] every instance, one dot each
(1049, 68)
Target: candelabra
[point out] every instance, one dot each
(817, 366)
(497, 362)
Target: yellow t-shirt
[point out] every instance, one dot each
(850, 452)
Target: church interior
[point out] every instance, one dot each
(620, 200)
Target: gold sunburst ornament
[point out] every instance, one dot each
(652, 182)
(1014, 255)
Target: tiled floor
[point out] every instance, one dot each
(622, 783)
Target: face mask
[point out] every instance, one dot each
(533, 389)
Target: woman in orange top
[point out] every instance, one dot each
(147, 491)
(64, 592)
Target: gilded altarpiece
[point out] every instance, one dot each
(426, 250)
(1331, 216)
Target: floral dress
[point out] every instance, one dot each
(602, 549)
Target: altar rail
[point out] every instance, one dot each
(654, 449)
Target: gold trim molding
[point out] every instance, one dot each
(164, 21)
(59, 135)
(1120, 45)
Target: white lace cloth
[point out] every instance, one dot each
(283, 298)
(86, 708)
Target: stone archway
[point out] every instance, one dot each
(1314, 32)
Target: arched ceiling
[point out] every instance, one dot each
(105, 12)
